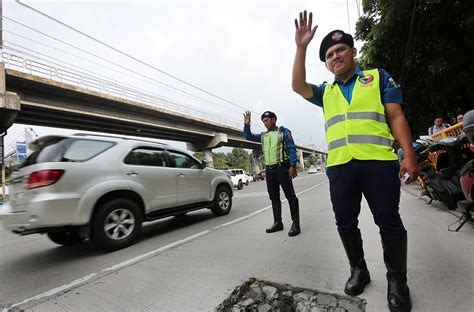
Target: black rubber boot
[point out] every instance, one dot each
(277, 224)
(295, 217)
(360, 275)
(395, 258)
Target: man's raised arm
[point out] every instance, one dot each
(303, 36)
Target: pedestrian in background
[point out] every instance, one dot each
(362, 114)
(279, 151)
(438, 125)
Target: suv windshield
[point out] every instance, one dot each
(67, 150)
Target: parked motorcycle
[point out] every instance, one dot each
(467, 174)
(453, 154)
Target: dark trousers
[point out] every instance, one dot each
(276, 177)
(379, 182)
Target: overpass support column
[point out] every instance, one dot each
(9, 103)
(208, 157)
(299, 155)
(256, 160)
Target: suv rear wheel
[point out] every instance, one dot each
(66, 238)
(117, 224)
(222, 201)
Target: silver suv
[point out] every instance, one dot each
(103, 188)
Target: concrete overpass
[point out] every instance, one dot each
(31, 99)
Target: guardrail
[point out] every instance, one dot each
(454, 130)
(87, 81)
(90, 82)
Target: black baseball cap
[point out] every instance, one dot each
(268, 114)
(333, 38)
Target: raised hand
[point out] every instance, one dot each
(304, 34)
(247, 117)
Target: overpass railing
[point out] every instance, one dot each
(67, 75)
(89, 82)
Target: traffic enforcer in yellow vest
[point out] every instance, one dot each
(273, 146)
(359, 130)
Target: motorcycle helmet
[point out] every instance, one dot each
(468, 125)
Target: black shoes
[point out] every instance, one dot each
(360, 276)
(295, 216)
(395, 258)
(295, 230)
(277, 226)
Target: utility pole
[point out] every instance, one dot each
(2, 162)
(1, 24)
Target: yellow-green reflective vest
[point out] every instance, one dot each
(359, 130)
(272, 146)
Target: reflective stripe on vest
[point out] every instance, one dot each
(358, 130)
(272, 146)
(362, 115)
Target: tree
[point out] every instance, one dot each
(220, 161)
(239, 158)
(311, 161)
(426, 45)
(199, 155)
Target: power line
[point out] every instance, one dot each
(126, 54)
(158, 97)
(108, 61)
(111, 79)
(348, 20)
(129, 56)
(358, 7)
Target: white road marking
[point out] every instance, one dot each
(83, 280)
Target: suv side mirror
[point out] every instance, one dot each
(203, 164)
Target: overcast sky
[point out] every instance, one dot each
(241, 51)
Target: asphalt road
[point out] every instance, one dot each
(31, 265)
(193, 264)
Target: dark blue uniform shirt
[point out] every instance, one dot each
(289, 143)
(392, 92)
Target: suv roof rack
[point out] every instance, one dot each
(117, 137)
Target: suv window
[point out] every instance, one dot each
(67, 150)
(146, 157)
(184, 161)
(237, 171)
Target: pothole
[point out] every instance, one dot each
(262, 296)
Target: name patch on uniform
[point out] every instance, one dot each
(366, 81)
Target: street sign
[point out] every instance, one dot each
(21, 151)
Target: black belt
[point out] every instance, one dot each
(284, 163)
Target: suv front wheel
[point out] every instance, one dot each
(222, 201)
(117, 224)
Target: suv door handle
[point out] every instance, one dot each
(132, 173)
(180, 175)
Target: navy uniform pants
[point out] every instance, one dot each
(276, 177)
(378, 181)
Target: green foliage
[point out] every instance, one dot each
(312, 160)
(426, 45)
(220, 161)
(199, 155)
(238, 158)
